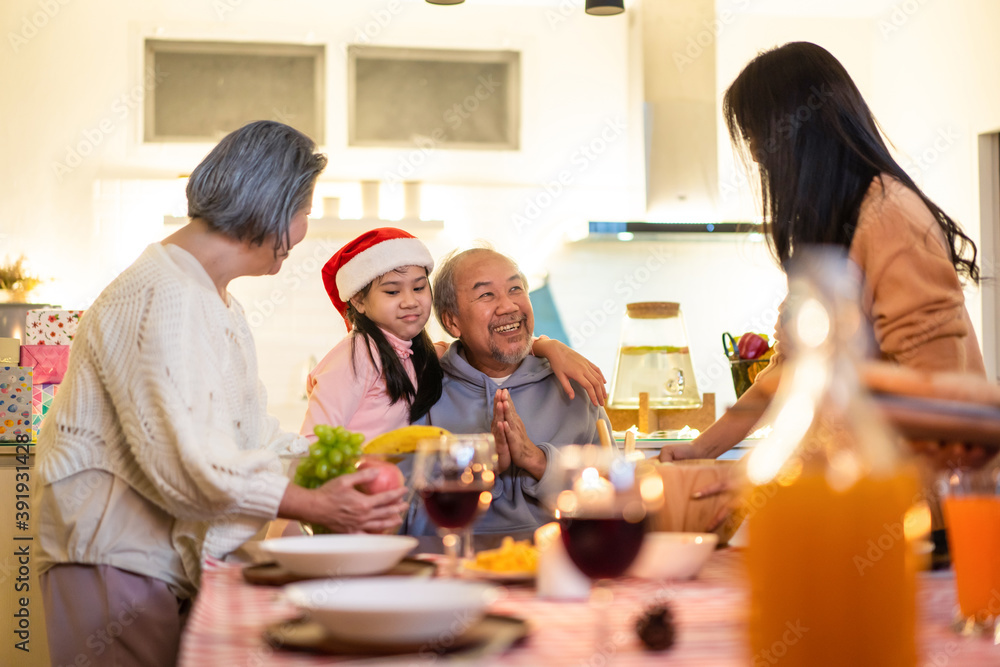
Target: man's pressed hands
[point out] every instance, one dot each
(513, 445)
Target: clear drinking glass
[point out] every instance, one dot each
(454, 476)
(972, 515)
(598, 497)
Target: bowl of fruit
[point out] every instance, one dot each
(748, 355)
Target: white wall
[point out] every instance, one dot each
(72, 81)
(936, 92)
(75, 84)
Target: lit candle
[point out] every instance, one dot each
(557, 577)
(595, 496)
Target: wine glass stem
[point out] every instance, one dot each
(450, 542)
(600, 600)
(468, 553)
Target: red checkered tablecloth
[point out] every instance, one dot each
(225, 626)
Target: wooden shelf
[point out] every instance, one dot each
(342, 227)
(663, 419)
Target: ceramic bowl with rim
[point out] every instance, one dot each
(673, 555)
(393, 610)
(338, 555)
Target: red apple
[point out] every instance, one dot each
(389, 476)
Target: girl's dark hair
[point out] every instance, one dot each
(397, 382)
(818, 148)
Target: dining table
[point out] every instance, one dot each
(227, 624)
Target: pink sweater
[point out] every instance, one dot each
(357, 401)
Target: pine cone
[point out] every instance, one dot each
(655, 628)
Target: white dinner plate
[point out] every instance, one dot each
(338, 555)
(393, 610)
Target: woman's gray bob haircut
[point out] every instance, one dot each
(445, 292)
(254, 181)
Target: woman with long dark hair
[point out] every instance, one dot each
(827, 177)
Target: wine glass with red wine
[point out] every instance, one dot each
(601, 504)
(454, 477)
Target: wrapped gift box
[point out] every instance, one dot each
(51, 327)
(41, 400)
(48, 362)
(15, 403)
(10, 351)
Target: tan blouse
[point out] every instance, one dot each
(912, 295)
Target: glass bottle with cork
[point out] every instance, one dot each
(654, 358)
(832, 573)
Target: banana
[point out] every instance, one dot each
(403, 440)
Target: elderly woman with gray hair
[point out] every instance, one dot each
(158, 452)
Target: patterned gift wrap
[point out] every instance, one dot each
(41, 400)
(51, 327)
(15, 403)
(48, 362)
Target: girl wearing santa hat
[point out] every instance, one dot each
(385, 374)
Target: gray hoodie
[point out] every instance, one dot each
(550, 418)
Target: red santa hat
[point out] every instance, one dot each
(373, 254)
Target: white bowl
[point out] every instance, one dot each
(673, 555)
(393, 610)
(338, 555)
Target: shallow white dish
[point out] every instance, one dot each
(673, 555)
(338, 555)
(393, 610)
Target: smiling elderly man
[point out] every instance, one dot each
(493, 384)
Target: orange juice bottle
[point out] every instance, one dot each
(832, 576)
(974, 540)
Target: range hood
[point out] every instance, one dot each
(678, 70)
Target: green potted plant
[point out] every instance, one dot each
(15, 282)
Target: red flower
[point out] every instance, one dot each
(52, 318)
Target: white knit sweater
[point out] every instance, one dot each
(162, 394)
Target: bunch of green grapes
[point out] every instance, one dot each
(336, 453)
